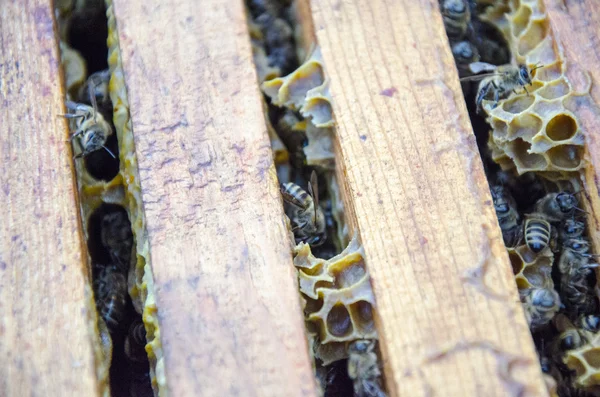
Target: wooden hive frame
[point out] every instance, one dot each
(231, 324)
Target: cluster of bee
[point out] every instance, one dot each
(562, 307)
(305, 195)
(110, 238)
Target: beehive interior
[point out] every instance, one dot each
(333, 277)
(127, 352)
(533, 149)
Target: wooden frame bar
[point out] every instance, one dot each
(228, 304)
(449, 317)
(44, 339)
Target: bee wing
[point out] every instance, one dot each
(479, 77)
(288, 198)
(478, 67)
(313, 189)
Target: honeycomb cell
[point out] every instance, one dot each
(518, 104)
(516, 262)
(521, 156)
(561, 127)
(533, 36)
(592, 357)
(567, 157)
(554, 89)
(521, 20)
(362, 314)
(524, 126)
(500, 128)
(538, 275)
(338, 321)
(549, 72)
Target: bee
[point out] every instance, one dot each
(556, 207)
(94, 129)
(117, 238)
(489, 41)
(508, 217)
(575, 252)
(278, 39)
(577, 290)
(571, 228)
(457, 16)
(135, 343)
(538, 233)
(363, 369)
(464, 53)
(540, 304)
(307, 218)
(500, 83)
(589, 323)
(97, 85)
(110, 288)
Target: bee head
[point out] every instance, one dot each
(524, 76)
(573, 227)
(591, 322)
(570, 340)
(456, 7)
(361, 346)
(566, 201)
(543, 297)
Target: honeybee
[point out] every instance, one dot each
(110, 288)
(501, 82)
(571, 228)
(589, 323)
(489, 41)
(135, 343)
(117, 238)
(556, 207)
(91, 124)
(575, 253)
(538, 233)
(278, 36)
(464, 53)
(97, 85)
(577, 290)
(363, 369)
(457, 16)
(307, 218)
(508, 217)
(540, 304)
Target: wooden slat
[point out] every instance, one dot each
(576, 28)
(228, 305)
(44, 341)
(422, 204)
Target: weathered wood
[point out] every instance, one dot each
(422, 204)
(44, 341)
(228, 305)
(576, 28)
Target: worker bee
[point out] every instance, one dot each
(540, 304)
(117, 238)
(135, 343)
(457, 16)
(500, 83)
(538, 233)
(556, 207)
(464, 53)
(97, 85)
(363, 369)
(570, 229)
(577, 289)
(110, 288)
(278, 41)
(589, 323)
(489, 41)
(508, 217)
(94, 129)
(307, 218)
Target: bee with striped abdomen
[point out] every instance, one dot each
(508, 217)
(307, 218)
(538, 233)
(135, 342)
(117, 238)
(110, 289)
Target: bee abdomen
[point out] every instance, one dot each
(537, 234)
(112, 311)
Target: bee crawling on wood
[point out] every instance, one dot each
(117, 238)
(363, 369)
(306, 216)
(500, 82)
(91, 127)
(110, 289)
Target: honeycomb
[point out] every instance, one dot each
(531, 270)
(585, 361)
(339, 299)
(535, 131)
(141, 288)
(307, 90)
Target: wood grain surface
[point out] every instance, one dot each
(576, 28)
(228, 305)
(449, 317)
(44, 341)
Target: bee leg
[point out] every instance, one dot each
(482, 94)
(496, 96)
(525, 88)
(77, 133)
